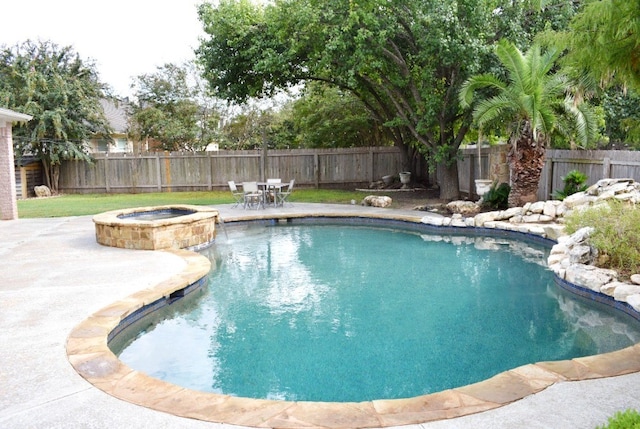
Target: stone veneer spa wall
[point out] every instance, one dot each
(158, 227)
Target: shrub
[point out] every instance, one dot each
(629, 419)
(574, 181)
(616, 234)
(497, 196)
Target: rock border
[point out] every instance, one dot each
(572, 259)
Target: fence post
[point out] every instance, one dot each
(209, 172)
(263, 157)
(158, 173)
(373, 166)
(606, 168)
(549, 188)
(106, 172)
(316, 169)
(472, 173)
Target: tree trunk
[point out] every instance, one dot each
(47, 175)
(447, 176)
(526, 160)
(55, 178)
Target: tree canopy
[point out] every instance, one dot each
(604, 39)
(62, 93)
(404, 60)
(173, 110)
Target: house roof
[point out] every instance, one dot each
(7, 115)
(116, 113)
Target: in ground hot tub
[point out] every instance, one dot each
(158, 227)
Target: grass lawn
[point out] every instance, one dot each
(90, 204)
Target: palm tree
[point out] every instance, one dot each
(531, 105)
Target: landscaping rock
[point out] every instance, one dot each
(635, 279)
(377, 201)
(634, 301)
(42, 191)
(624, 290)
(465, 208)
(590, 277)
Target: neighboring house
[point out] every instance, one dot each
(118, 116)
(116, 113)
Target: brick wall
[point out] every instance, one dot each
(8, 204)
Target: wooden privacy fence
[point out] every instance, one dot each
(596, 164)
(164, 171)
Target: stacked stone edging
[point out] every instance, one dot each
(572, 258)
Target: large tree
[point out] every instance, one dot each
(404, 60)
(173, 108)
(62, 93)
(530, 104)
(165, 109)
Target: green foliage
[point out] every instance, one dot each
(330, 117)
(574, 181)
(247, 130)
(532, 93)
(628, 419)
(616, 234)
(603, 40)
(497, 197)
(622, 110)
(62, 93)
(530, 104)
(167, 110)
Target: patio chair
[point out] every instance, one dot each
(283, 195)
(238, 197)
(252, 196)
(272, 191)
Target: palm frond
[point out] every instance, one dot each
(474, 83)
(487, 111)
(513, 60)
(546, 120)
(585, 120)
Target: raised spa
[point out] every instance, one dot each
(157, 227)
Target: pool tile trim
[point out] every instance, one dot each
(88, 352)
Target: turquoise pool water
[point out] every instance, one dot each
(344, 313)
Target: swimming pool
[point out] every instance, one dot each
(431, 316)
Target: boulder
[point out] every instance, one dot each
(377, 201)
(537, 207)
(42, 191)
(635, 279)
(581, 255)
(433, 220)
(550, 209)
(465, 208)
(634, 301)
(624, 290)
(589, 276)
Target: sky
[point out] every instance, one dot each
(125, 38)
